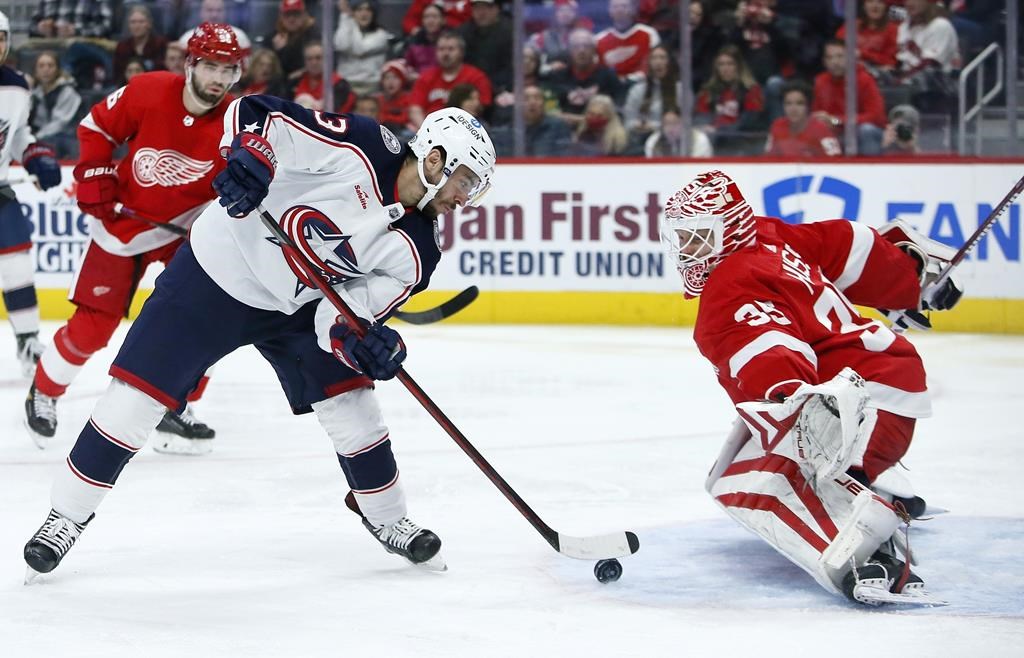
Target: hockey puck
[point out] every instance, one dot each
(607, 571)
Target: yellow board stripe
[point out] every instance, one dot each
(994, 316)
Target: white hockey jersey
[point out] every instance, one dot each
(15, 107)
(335, 194)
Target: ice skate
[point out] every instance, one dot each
(51, 543)
(29, 351)
(417, 545)
(884, 578)
(183, 434)
(40, 417)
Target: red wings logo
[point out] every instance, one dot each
(167, 168)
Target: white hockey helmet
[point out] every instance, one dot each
(703, 222)
(464, 141)
(5, 27)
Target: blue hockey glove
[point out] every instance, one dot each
(245, 181)
(40, 160)
(378, 354)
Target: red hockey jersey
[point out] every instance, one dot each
(172, 158)
(816, 140)
(627, 52)
(781, 312)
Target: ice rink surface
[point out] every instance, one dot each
(250, 551)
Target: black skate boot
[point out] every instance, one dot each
(29, 351)
(884, 578)
(418, 545)
(52, 542)
(183, 434)
(40, 416)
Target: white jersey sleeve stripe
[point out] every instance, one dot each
(860, 248)
(898, 401)
(765, 342)
(89, 123)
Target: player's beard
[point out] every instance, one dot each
(205, 97)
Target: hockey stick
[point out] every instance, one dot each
(445, 310)
(971, 243)
(131, 214)
(618, 544)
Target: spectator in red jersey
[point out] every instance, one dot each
(394, 98)
(141, 42)
(292, 31)
(430, 93)
(730, 106)
(876, 38)
(797, 134)
(830, 99)
(625, 45)
(456, 12)
(585, 77)
(601, 132)
(264, 76)
(488, 37)
(553, 42)
(420, 48)
(651, 96)
(361, 44)
(308, 89)
(663, 16)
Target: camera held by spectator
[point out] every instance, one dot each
(900, 137)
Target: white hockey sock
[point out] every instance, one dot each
(17, 278)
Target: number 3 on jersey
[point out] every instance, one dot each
(759, 313)
(832, 307)
(335, 124)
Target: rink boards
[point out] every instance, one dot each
(577, 242)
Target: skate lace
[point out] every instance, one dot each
(45, 407)
(59, 533)
(187, 416)
(400, 534)
(29, 348)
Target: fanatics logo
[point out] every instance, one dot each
(362, 196)
(167, 168)
(390, 141)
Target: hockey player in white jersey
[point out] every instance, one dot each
(17, 267)
(362, 209)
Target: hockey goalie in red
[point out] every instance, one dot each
(827, 399)
(172, 126)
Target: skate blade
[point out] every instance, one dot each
(435, 563)
(172, 444)
(31, 576)
(41, 441)
(878, 596)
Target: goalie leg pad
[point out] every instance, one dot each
(355, 424)
(770, 496)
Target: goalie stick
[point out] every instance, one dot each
(445, 310)
(971, 242)
(618, 544)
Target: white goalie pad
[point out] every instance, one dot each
(824, 427)
(822, 526)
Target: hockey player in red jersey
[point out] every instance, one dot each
(172, 126)
(827, 398)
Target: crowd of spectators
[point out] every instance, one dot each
(602, 77)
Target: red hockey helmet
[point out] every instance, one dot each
(216, 42)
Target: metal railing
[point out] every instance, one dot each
(982, 98)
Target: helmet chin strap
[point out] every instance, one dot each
(432, 189)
